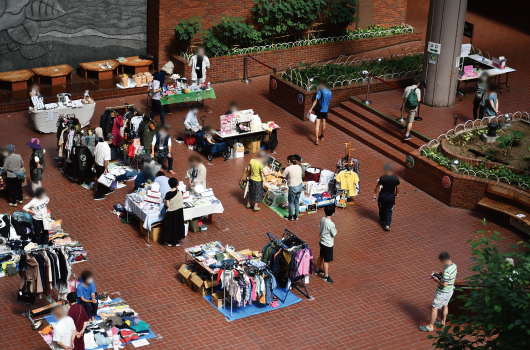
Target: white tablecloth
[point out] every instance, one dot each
(189, 213)
(84, 114)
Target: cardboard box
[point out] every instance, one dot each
(252, 146)
(185, 271)
(157, 230)
(246, 252)
(217, 299)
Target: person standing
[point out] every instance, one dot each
(174, 230)
(78, 314)
(480, 97)
(64, 332)
(199, 63)
(255, 183)
(36, 163)
(13, 165)
(388, 187)
(38, 208)
(411, 103)
(323, 97)
(156, 87)
(101, 163)
(444, 291)
(196, 175)
(163, 181)
(162, 145)
(492, 102)
(328, 231)
(86, 294)
(293, 174)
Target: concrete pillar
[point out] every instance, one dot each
(445, 27)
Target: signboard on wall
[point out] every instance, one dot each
(434, 48)
(366, 10)
(469, 28)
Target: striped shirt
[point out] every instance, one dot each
(449, 276)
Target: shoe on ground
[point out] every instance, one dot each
(172, 172)
(20, 202)
(177, 245)
(327, 279)
(110, 192)
(99, 198)
(168, 113)
(295, 217)
(319, 271)
(321, 137)
(249, 206)
(12, 204)
(257, 209)
(169, 244)
(287, 217)
(406, 138)
(381, 222)
(387, 228)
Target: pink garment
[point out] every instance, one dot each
(253, 292)
(118, 123)
(305, 261)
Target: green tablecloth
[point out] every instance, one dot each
(189, 97)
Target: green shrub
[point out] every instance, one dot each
(187, 29)
(342, 12)
(228, 32)
(287, 16)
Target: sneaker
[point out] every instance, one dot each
(169, 244)
(319, 271)
(387, 228)
(98, 198)
(295, 217)
(327, 279)
(322, 137)
(381, 222)
(172, 172)
(168, 113)
(249, 206)
(287, 217)
(12, 204)
(110, 192)
(20, 202)
(177, 245)
(407, 137)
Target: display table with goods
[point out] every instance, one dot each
(57, 74)
(16, 235)
(243, 278)
(247, 126)
(133, 81)
(148, 206)
(321, 187)
(116, 325)
(18, 79)
(45, 116)
(104, 69)
(473, 66)
(180, 93)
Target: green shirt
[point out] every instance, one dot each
(449, 276)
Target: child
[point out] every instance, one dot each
(208, 135)
(327, 235)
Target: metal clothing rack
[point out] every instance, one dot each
(296, 276)
(50, 300)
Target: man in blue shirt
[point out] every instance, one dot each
(323, 97)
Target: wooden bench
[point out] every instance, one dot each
(17, 78)
(515, 214)
(56, 73)
(509, 194)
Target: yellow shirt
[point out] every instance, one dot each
(347, 180)
(256, 170)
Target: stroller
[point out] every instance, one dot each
(210, 150)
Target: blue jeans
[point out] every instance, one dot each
(294, 199)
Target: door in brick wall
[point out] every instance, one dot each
(366, 9)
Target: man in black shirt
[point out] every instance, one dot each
(388, 184)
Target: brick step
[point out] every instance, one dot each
(394, 132)
(382, 136)
(382, 116)
(365, 138)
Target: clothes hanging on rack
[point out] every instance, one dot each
(246, 283)
(348, 180)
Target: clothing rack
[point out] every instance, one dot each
(50, 300)
(296, 275)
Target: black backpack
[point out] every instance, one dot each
(318, 106)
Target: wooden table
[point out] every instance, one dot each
(17, 78)
(97, 66)
(56, 73)
(139, 65)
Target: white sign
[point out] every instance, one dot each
(466, 50)
(434, 48)
(49, 116)
(139, 343)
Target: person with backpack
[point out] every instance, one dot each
(480, 97)
(411, 101)
(321, 106)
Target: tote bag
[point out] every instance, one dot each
(106, 179)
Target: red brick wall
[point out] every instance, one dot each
(286, 94)
(170, 12)
(228, 68)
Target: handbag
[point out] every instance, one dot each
(26, 297)
(106, 179)
(47, 223)
(312, 174)
(21, 175)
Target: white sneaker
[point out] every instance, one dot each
(169, 245)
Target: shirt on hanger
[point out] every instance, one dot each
(348, 180)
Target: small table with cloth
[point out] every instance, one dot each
(45, 120)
